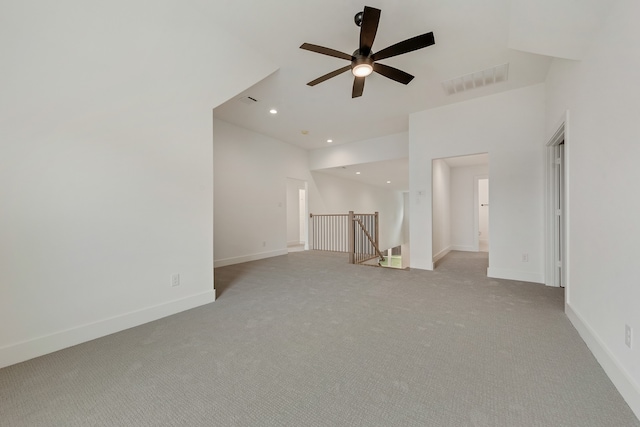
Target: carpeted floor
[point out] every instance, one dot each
(309, 340)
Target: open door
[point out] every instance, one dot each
(556, 218)
(297, 216)
(558, 226)
(483, 214)
(302, 211)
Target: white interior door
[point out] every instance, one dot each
(297, 214)
(483, 215)
(556, 218)
(559, 226)
(302, 206)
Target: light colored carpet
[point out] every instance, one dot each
(309, 340)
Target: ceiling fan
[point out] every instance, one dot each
(363, 60)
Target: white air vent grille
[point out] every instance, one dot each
(497, 74)
(248, 100)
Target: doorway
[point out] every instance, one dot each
(482, 205)
(302, 212)
(297, 215)
(556, 211)
(460, 185)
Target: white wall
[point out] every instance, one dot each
(483, 213)
(293, 210)
(390, 147)
(105, 165)
(463, 215)
(441, 193)
(510, 127)
(250, 185)
(341, 195)
(336, 195)
(563, 28)
(602, 155)
(406, 218)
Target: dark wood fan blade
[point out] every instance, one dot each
(358, 87)
(329, 75)
(409, 45)
(326, 51)
(392, 73)
(368, 29)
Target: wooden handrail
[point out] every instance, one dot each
(338, 233)
(366, 233)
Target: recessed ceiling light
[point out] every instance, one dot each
(357, 173)
(329, 141)
(273, 111)
(388, 182)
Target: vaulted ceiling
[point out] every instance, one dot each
(470, 35)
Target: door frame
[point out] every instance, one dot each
(302, 184)
(553, 192)
(304, 216)
(476, 213)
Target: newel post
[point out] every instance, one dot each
(377, 231)
(352, 245)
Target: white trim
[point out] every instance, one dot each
(567, 207)
(623, 381)
(476, 213)
(247, 258)
(522, 276)
(25, 350)
(441, 254)
(549, 166)
(463, 248)
(306, 213)
(561, 134)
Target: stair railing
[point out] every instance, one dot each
(329, 232)
(363, 242)
(355, 234)
(364, 249)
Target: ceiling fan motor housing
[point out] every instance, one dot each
(359, 58)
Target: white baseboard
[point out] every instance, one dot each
(420, 265)
(247, 258)
(619, 376)
(437, 257)
(25, 350)
(523, 276)
(463, 248)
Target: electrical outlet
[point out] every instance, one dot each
(175, 280)
(628, 335)
(525, 257)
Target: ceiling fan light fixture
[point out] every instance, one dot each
(362, 70)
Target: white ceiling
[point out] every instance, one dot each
(396, 171)
(470, 36)
(376, 173)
